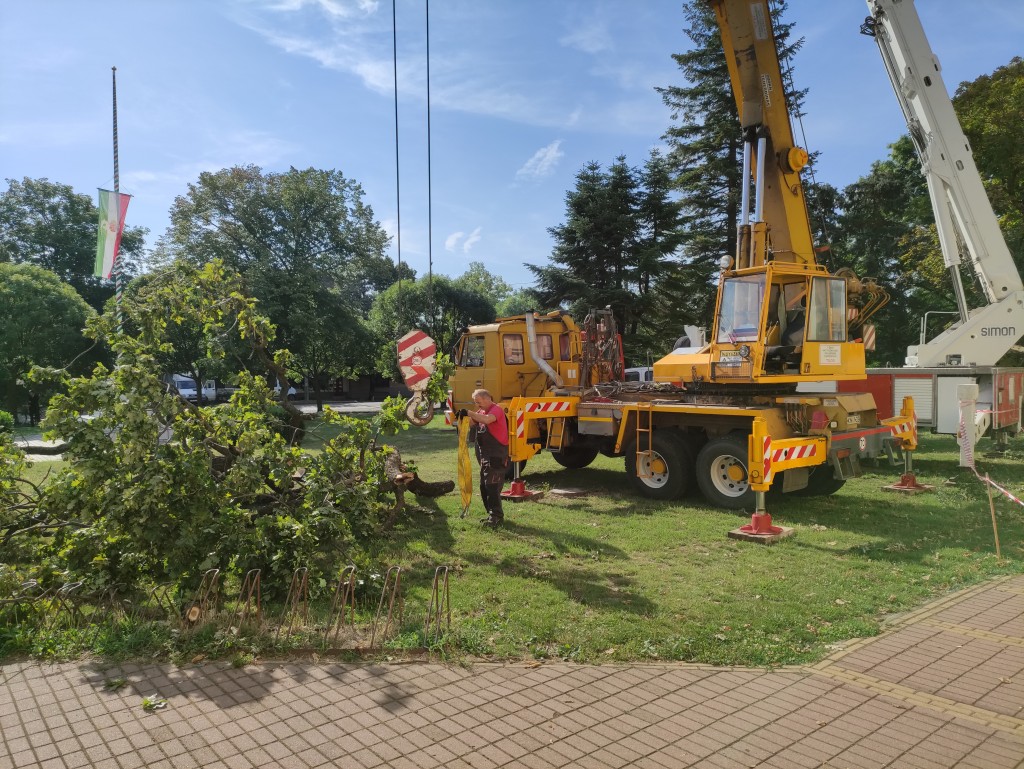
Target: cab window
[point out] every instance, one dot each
(563, 347)
(740, 312)
(472, 352)
(827, 312)
(544, 346)
(512, 344)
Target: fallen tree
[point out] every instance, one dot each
(157, 489)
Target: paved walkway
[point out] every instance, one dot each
(943, 687)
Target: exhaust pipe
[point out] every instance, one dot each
(531, 337)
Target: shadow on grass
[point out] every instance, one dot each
(422, 521)
(581, 583)
(902, 530)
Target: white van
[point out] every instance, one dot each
(640, 374)
(186, 386)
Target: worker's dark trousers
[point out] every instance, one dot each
(492, 479)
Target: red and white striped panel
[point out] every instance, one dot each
(538, 406)
(869, 337)
(449, 409)
(798, 452)
(766, 456)
(905, 429)
(416, 358)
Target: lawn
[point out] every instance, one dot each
(610, 576)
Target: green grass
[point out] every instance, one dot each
(614, 577)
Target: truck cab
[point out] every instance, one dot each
(498, 357)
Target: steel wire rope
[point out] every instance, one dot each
(430, 198)
(398, 177)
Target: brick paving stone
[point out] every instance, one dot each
(511, 717)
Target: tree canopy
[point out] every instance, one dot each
(620, 232)
(305, 243)
(440, 307)
(157, 489)
(51, 226)
(41, 323)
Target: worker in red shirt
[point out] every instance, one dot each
(491, 452)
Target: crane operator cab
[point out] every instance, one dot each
(779, 323)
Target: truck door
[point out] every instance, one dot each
(477, 366)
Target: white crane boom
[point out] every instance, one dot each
(967, 225)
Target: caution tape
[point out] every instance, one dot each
(998, 488)
(968, 447)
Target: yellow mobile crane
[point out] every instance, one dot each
(726, 414)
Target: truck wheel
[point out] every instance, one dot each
(821, 482)
(664, 471)
(575, 457)
(722, 473)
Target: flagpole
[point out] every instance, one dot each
(118, 284)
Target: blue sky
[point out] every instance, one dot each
(523, 94)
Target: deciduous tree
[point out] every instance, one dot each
(439, 307)
(304, 241)
(41, 322)
(51, 226)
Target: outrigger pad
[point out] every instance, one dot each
(764, 539)
(908, 484)
(518, 493)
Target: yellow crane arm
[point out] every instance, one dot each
(778, 226)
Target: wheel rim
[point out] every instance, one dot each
(729, 476)
(652, 469)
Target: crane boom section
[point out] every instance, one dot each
(958, 197)
(756, 76)
(965, 221)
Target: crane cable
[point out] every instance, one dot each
(398, 177)
(398, 189)
(430, 202)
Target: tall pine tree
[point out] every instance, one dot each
(621, 229)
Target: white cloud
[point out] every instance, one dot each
(542, 163)
(463, 80)
(472, 240)
(338, 9)
(452, 241)
(591, 36)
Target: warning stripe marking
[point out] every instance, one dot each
(543, 407)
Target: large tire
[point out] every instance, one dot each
(665, 470)
(821, 482)
(722, 473)
(575, 457)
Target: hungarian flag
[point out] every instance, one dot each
(113, 207)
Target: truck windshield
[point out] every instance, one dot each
(740, 311)
(472, 352)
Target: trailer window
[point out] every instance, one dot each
(472, 352)
(544, 346)
(740, 312)
(827, 312)
(513, 347)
